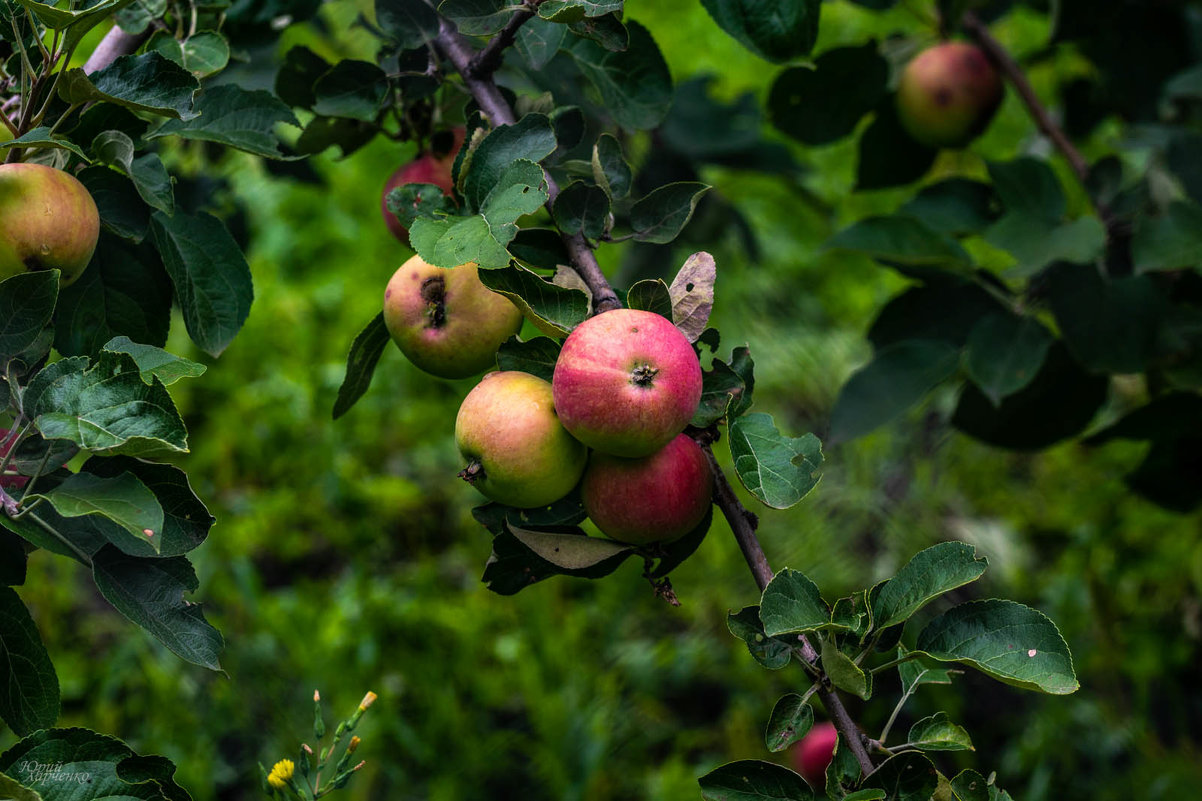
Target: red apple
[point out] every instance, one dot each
(948, 94)
(626, 382)
(657, 498)
(518, 453)
(814, 753)
(445, 321)
(430, 167)
(49, 222)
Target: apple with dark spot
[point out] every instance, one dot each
(948, 94)
(430, 167)
(49, 222)
(626, 382)
(518, 454)
(814, 753)
(446, 321)
(657, 498)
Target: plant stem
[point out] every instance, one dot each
(893, 717)
(894, 663)
(83, 557)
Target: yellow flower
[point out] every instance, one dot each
(281, 772)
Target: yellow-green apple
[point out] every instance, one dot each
(518, 453)
(445, 321)
(431, 167)
(656, 498)
(47, 221)
(814, 753)
(626, 382)
(948, 94)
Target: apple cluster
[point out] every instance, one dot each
(625, 385)
(50, 222)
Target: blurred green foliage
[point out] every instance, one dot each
(345, 557)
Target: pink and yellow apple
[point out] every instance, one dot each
(49, 222)
(814, 753)
(518, 453)
(430, 167)
(626, 382)
(948, 94)
(658, 498)
(445, 321)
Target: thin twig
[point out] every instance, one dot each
(488, 60)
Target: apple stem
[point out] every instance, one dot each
(473, 472)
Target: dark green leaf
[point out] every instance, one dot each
(156, 362)
(569, 551)
(76, 23)
(354, 89)
(909, 776)
(559, 309)
(582, 209)
(901, 239)
(148, 82)
(791, 720)
(843, 672)
(535, 356)
(105, 407)
(776, 32)
(42, 137)
(324, 132)
(513, 566)
(606, 30)
(968, 785)
(211, 277)
(147, 172)
(888, 156)
(1035, 243)
(137, 16)
(720, 386)
(206, 53)
(411, 23)
(13, 560)
(938, 733)
(928, 575)
(753, 780)
(122, 499)
(650, 295)
(946, 311)
(635, 86)
(300, 70)
(778, 470)
(1005, 352)
(662, 215)
(538, 41)
(238, 118)
(919, 671)
(122, 209)
(824, 103)
(898, 377)
(791, 604)
(1028, 187)
(27, 302)
(531, 138)
(1006, 640)
(1109, 325)
(361, 363)
(745, 624)
(564, 11)
(955, 206)
(610, 170)
(1172, 241)
(29, 695)
(150, 592)
(479, 17)
(539, 247)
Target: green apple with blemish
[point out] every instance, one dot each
(48, 221)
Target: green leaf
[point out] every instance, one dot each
(361, 363)
(903, 240)
(122, 209)
(778, 470)
(75, 23)
(478, 17)
(354, 89)
(1036, 243)
(919, 671)
(29, 695)
(1005, 352)
(610, 170)
(122, 499)
(1109, 325)
(720, 386)
(753, 780)
(211, 277)
(955, 206)
(156, 362)
(634, 84)
(150, 592)
(297, 74)
(124, 292)
(1171, 241)
(938, 733)
(650, 294)
(81, 765)
(559, 310)
(582, 209)
(662, 215)
(12, 791)
(13, 557)
(898, 377)
(692, 293)
(888, 156)
(564, 11)
(410, 202)
(27, 303)
(606, 30)
(823, 103)
(776, 32)
(569, 551)
(412, 23)
(1012, 643)
(482, 238)
(105, 407)
(968, 785)
(1028, 187)
(843, 672)
(791, 720)
(843, 772)
(536, 356)
(148, 82)
(206, 53)
(929, 574)
(741, 362)
(513, 566)
(791, 604)
(531, 139)
(745, 624)
(538, 42)
(909, 776)
(147, 172)
(239, 118)
(42, 137)
(871, 794)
